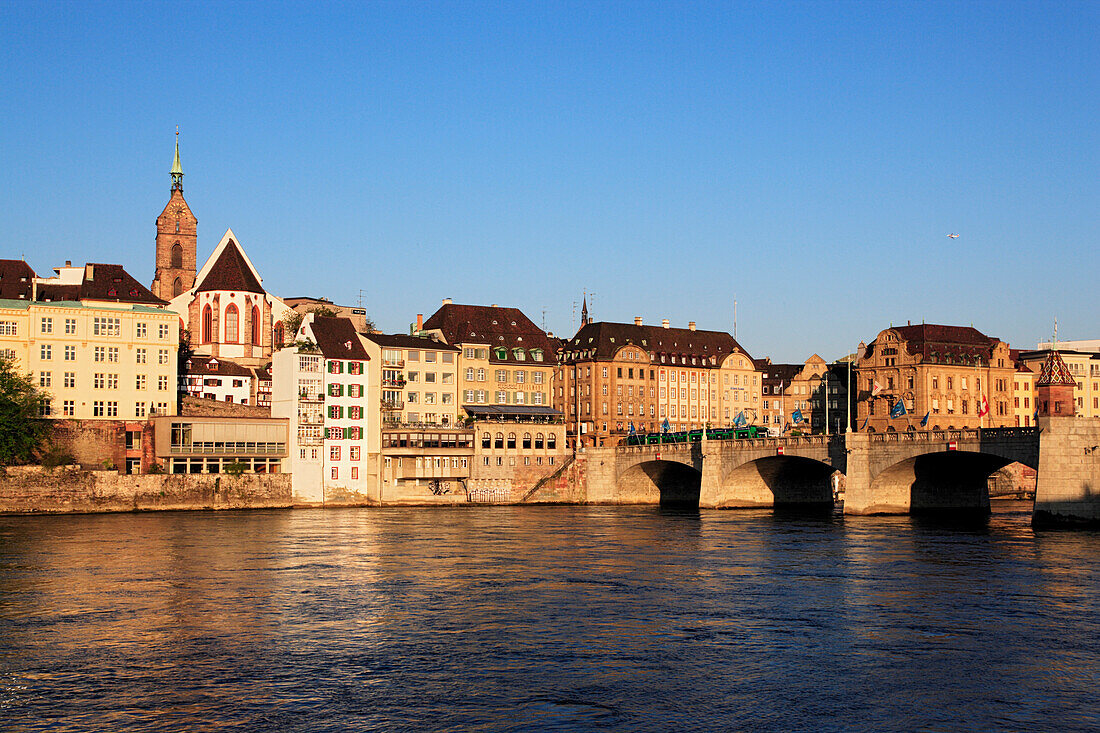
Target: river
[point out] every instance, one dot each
(546, 618)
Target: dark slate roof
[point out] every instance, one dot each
(224, 367)
(776, 373)
(405, 341)
(604, 339)
(495, 326)
(16, 280)
(338, 339)
(929, 338)
(102, 282)
(231, 272)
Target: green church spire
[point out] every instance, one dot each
(177, 169)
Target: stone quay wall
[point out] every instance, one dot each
(68, 489)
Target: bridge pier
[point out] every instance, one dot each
(1067, 492)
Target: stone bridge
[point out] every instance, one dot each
(885, 473)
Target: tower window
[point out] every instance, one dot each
(231, 323)
(177, 253)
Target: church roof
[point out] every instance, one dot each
(1055, 372)
(230, 271)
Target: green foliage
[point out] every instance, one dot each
(235, 469)
(22, 431)
(155, 467)
(56, 456)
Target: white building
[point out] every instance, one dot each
(334, 417)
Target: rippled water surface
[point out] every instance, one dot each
(545, 618)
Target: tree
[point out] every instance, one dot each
(22, 430)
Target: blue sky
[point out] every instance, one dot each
(807, 159)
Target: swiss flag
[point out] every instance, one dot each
(983, 408)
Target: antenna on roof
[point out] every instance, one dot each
(735, 319)
(1055, 344)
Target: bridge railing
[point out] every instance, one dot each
(789, 441)
(917, 436)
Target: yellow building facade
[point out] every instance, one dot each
(112, 361)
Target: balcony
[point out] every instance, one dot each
(305, 396)
(392, 405)
(398, 363)
(399, 382)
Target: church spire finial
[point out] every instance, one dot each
(177, 169)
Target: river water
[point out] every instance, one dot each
(546, 618)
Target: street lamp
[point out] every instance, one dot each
(825, 396)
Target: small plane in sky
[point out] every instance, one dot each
(952, 236)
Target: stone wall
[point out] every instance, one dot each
(32, 489)
(1067, 491)
(191, 406)
(91, 443)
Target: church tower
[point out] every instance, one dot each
(177, 240)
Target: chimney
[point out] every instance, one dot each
(637, 320)
(68, 263)
(691, 325)
(419, 321)
(447, 301)
(89, 272)
(494, 305)
(664, 323)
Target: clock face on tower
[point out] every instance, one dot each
(179, 211)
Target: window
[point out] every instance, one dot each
(8, 328)
(162, 383)
(538, 441)
(97, 409)
(140, 382)
(511, 441)
(106, 326)
(481, 375)
(335, 473)
(502, 375)
(255, 326)
(70, 380)
(520, 376)
(44, 379)
(46, 352)
(141, 330)
(498, 441)
(230, 333)
(486, 440)
(70, 326)
(68, 408)
(502, 397)
(70, 353)
(469, 374)
(207, 325)
(47, 325)
(537, 377)
(112, 409)
(334, 453)
(112, 354)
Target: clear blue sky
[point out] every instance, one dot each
(807, 159)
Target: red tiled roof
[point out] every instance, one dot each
(1054, 372)
(338, 339)
(230, 272)
(16, 280)
(224, 367)
(102, 282)
(605, 339)
(495, 326)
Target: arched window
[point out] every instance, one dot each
(511, 441)
(486, 440)
(527, 441)
(231, 331)
(499, 442)
(256, 326)
(551, 442)
(538, 441)
(278, 339)
(177, 287)
(177, 255)
(207, 324)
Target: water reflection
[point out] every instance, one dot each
(543, 618)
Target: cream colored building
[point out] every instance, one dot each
(1082, 358)
(419, 379)
(98, 352)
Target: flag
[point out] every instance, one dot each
(1035, 419)
(898, 410)
(865, 423)
(983, 408)
(632, 430)
(924, 420)
(665, 426)
(740, 420)
(796, 416)
(876, 388)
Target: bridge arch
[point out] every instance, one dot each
(778, 480)
(668, 483)
(940, 480)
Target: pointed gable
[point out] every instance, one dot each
(229, 269)
(1055, 373)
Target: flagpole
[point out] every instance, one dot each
(848, 428)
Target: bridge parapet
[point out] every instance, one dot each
(960, 434)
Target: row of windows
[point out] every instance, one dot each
(517, 398)
(101, 380)
(103, 354)
(499, 441)
(429, 398)
(104, 326)
(231, 332)
(105, 408)
(335, 451)
(501, 353)
(519, 376)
